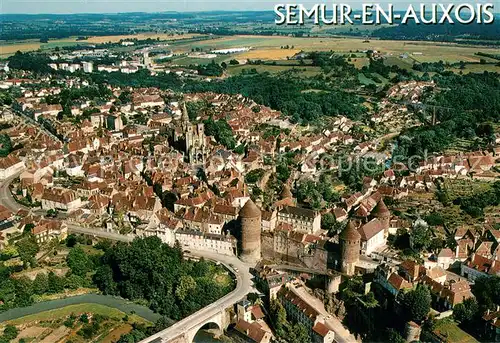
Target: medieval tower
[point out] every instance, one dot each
(382, 213)
(350, 244)
(250, 219)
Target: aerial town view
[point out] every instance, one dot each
(177, 172)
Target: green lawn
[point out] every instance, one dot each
(448, 331)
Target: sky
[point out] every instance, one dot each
(114, 6)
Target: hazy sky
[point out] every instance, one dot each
(96, 6)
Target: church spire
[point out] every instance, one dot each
(185, 116)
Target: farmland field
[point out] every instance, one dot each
(268, 54)
(426, 51)
(7, 49)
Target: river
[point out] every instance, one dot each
(107, 300)
(205, 337)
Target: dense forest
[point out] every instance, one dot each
(467, 105)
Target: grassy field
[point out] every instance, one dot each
(77, 309)
(477, 68)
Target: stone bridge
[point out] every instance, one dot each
(216, 324)
(214, 316)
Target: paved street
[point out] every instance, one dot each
(99, 233)
(6, 198)
(342, 335)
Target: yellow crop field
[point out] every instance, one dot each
(268, 54)
(10, 49)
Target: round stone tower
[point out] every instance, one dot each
(350, 240)
(382, 213)
(250, 219)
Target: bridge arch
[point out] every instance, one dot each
(213, 324)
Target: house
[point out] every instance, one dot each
(270, 280)
(269, 220)
(49, 229)
(301, 219)
(445, 258)
(477, 265)
(253, 331)
(386, 275)
(372, 236)
(10, 166)
(396, 283)
(60, 199)
(301, 312)
(446, 296)
(197, 240)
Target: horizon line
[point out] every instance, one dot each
(168, 12)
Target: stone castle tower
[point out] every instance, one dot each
(382, 213)
(350, 240)
(250, 219)
(191, 138)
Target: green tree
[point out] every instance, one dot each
(298, 334)
(185, 286)
(279, 314)
(420, 237)
(28, 248)
(328, 221)
(55, 283)
(78, 261)
(40, 284)
(467, 311)
(416, 303)
(24, 292)
(10, 332)
(487, 292)
(5, 145)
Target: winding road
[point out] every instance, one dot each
(6, 198)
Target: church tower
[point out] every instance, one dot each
(194, 138)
